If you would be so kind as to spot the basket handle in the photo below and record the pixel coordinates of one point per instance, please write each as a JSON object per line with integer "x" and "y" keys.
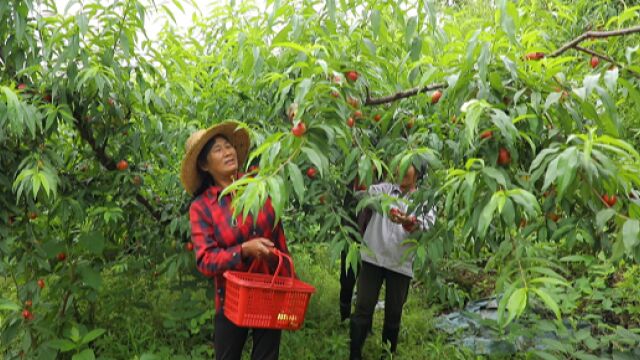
{"x": 280, "y": 255}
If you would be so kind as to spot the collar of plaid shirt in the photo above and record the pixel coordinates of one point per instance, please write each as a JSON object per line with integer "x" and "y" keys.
{"x": 217, "y": 237}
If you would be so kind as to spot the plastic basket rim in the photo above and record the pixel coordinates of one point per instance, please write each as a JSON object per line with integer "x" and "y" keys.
{"x": 297, "y": 285}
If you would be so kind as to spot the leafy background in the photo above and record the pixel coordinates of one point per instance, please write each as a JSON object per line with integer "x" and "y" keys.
{"x": 97, "y": 245}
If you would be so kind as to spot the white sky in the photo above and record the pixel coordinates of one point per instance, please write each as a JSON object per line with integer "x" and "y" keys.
{"x": 155, "y": 20}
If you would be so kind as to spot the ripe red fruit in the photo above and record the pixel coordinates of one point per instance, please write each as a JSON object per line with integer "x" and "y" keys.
{"x": 189, "y": 246}
{"x": 335, "y": 94}
{"x": 353, "y": 102}
{"x": 299, "y": 129}
{"x": 534, "y": 56}
{"x": 122, "y": 165}
{"x": 377, "y": 117}
{"x": 41, "y": 283}
{"x": 311, "y": 172}
{"x": 33, "y": 215}
{"x": 137, "y": 180}
{"x": 609, "y": 200}
{"x": 253, "y": 168}
{"x": 486, "y": 134}
{"x": 410, "y": 123}
{"x": 351, "y": 122}
{"x": 395, "y": 212}
{"x": 435, "y": 97}
{"x": 27, "y": 315}
{"x": 28, "y": 303}
{"x": 594, "y": 62}
{"x": 61, "y": 256}
{"x": 504, "y": 157}
{"x": 22, "y": 86}
{"x": 357, "y": 114}
{"x": 553, "y": 217}
{"x": 352, "y": 75}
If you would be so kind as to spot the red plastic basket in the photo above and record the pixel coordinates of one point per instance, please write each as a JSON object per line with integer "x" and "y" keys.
{"x": 266, "y": 301}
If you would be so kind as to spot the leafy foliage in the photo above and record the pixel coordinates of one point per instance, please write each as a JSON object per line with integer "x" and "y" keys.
{"x": 532, "y": 159}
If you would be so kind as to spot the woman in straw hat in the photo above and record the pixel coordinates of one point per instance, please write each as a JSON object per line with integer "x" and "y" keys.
{"x": 223, "y": 242}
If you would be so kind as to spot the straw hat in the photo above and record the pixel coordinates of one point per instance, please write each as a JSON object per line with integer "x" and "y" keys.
{"x": 233, "y": 130}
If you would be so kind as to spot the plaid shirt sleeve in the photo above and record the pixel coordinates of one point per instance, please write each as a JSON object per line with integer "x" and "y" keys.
{"x": 212, "y": 257}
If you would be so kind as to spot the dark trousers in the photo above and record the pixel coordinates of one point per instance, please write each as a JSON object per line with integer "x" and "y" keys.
{"x": 370, "y": 281}
{"x": 347, "y": 283}
{"x": 229, "y": 341}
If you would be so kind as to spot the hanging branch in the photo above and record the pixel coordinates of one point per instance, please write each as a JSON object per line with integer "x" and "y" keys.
{"x": 104, "y": 159}
{"x": 606, "y": 58}
{"x": 591, "y": 35}
{"x": 573, "y": 44}
{"x": 401, "y": 95}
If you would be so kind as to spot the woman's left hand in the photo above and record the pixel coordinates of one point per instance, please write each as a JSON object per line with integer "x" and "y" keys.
{"x": 258, "y": 247}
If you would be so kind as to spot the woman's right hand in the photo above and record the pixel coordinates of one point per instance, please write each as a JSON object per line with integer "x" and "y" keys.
{"x": 257, "y": 248}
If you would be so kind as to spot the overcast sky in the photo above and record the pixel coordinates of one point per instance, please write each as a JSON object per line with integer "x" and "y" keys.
{"x": 155, "y": 20}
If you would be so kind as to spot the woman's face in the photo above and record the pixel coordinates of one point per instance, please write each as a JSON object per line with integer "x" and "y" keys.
{"x": 222, "y": 159}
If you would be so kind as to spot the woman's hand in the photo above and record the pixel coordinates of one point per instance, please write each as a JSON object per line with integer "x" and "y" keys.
{"x": 258, "y": 247}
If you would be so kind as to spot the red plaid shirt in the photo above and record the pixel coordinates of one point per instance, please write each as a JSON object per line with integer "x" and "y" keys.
{"x": 217, "y": 237}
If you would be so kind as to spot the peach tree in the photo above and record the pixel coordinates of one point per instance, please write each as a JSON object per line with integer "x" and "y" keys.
{"x": 525, "y": 115}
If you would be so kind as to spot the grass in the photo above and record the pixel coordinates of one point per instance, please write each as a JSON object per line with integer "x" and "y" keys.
{"x": 160, "y": 317}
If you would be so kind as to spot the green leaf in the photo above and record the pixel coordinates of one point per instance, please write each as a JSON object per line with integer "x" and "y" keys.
{"x": 278, "y": 196}
{"x": 92, "y": 242}
{"x": 375, "y": 22}
{"x": 63, "y": 345}
{"x": 548, "y": 300}
{"x": 314, "y": 157}
{"x": 517, "y": 303}
{"x": 86, "y": 354}
{"x": 603, "y": 216}
{"x": 526, "y": 200}
{"x": 412, "y": 24}
{"x": 295, "y": 175}
{"x": 496, "y": 175}
{"x": 549, "y": 280}
{"x": 630, "y": 231}
{"x": 90, "y": 276}
{"x": 8, "y": 305}
{"x": 92, "y": 335}
{"x": 487, "y": 215}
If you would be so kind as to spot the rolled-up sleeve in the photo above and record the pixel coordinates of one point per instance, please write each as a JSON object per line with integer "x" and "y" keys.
{"x": 212, "y": 257}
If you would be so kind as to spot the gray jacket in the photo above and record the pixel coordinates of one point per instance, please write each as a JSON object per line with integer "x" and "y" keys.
{"x": 384, "y": 238}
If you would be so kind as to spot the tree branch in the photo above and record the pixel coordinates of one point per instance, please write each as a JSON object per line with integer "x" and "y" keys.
{"x": 402, "y": 94}
{"x": 591, "y": 35}
{"x": 606, "y": 58}
{"x": 105, "y": 160}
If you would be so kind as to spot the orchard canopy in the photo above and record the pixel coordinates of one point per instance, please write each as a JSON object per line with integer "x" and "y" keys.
{"x": 525, "y": 115}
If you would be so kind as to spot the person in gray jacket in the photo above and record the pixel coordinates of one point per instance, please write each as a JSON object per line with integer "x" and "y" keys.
{"x": 384, "y": 258}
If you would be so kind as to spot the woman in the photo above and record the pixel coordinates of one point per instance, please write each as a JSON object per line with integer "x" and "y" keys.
{"x": 222, "y": 242}
{"x": 384, "y": 260}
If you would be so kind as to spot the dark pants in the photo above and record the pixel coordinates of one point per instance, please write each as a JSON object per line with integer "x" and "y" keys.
{"x": 229, "y": 341}
{"x": 369, "y": 283}
{"x": 347, "y": 283}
